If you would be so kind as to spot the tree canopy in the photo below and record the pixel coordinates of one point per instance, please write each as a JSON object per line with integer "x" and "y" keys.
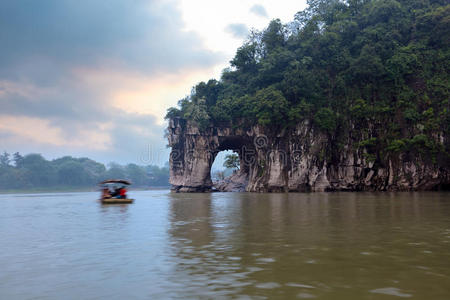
{"x": 231, "y": 161}
{"x": 341, "y": 64}
{"x": 33, "y": 171}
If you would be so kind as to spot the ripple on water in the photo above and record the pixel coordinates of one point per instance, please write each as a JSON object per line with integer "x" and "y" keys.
{"x": 240, "y": 275}
{"x": 416, "y": 244}
{"x": 391, "y": 291}
{"x": 235, "y": 258}
{"x": 305, "y": 296}
{"x": 299, "y": 285}
{"x": 268, "y": 285}
{"x": 254, "y": 269}
{"x": 265, "y": 260}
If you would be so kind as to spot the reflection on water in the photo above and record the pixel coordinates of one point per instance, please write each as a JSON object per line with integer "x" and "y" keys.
{"x": 114, "y": 216}
{"x": 339, "y": 246}
{"x": 230, "y": 245}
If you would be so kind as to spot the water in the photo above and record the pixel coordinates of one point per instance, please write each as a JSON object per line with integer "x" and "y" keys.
{"x": 221, "y": 246}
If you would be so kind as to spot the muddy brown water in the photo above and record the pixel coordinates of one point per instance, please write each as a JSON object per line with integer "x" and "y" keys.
{"x": 226, "y": 246}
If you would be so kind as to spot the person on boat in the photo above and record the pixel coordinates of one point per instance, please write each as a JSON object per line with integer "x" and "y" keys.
{"x": 123, "y": 193}
{"x": 105, "y": 193}
{"x": 116, "y": 193}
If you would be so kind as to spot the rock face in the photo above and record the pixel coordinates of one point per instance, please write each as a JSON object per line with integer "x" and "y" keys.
{"x": 237, "y": 182}
{"x": 300, "y": 159}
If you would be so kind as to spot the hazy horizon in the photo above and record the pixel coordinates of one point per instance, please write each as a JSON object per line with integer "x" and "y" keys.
{"x": 96, "y": 80}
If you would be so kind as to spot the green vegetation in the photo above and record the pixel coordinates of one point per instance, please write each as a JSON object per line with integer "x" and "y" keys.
{"x": 231, "y": 161}
{"x": 375, "y": 70}
{"x": 34, "y": 172}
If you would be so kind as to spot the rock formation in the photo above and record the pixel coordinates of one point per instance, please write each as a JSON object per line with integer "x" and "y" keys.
{"x": 300, "y": 159}
{"x": 237, "y": 182}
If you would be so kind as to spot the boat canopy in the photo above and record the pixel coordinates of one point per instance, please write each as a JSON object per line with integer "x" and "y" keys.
{"x": 121, "y": 181}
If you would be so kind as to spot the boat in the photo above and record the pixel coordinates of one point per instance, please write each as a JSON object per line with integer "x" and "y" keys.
{"x": 116, "y": 201}
{"x": 114, "y": 192}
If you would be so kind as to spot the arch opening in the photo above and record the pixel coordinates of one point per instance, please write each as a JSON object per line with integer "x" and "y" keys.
{"x": 227, "y": 172}
{"x": 218, "y": 170}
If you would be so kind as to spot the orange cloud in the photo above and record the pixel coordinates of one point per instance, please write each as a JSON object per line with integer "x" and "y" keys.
{"x": 136, "y": 93}
{"x": 36, "y": 130}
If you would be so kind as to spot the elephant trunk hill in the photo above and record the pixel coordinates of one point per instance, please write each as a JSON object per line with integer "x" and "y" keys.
{"x": 299, "y": 159}
{"x": 350, "y": 95}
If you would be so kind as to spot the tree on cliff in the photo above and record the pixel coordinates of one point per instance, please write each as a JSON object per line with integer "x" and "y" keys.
{"x": 345, "y": 66}
{"x": 231, "y": 161}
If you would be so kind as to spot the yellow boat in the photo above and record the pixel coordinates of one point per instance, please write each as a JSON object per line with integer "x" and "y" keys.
{"x": 116, "y": 201}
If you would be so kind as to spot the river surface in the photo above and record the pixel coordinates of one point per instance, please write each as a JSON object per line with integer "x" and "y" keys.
{"x": 226, "y": 245}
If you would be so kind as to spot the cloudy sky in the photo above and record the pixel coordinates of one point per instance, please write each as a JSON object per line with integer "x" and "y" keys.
{"x": 94, "y": 78}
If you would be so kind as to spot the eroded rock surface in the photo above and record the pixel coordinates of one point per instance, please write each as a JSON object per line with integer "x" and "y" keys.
{"x": 296, "y": 160}
{"x": 237, "y": 182}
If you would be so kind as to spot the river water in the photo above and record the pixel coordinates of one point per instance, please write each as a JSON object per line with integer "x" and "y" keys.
{"x": 226, "y": 245}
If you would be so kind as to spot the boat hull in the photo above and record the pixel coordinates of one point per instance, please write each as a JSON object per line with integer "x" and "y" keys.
{"x": 116, "y": 201}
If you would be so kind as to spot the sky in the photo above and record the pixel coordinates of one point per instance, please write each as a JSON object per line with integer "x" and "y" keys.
{"x": 95, "y": 78}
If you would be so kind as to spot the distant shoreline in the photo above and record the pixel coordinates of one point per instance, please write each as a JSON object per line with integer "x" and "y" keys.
{"x": 73, "y": 190}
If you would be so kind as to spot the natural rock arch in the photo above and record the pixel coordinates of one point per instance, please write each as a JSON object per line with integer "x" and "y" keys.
{"x": 296, "y": 159}
{"x": 193, "y": 154}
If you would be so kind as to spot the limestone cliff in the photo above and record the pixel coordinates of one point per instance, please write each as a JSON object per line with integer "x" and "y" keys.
{"x": 295, "y": 160}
